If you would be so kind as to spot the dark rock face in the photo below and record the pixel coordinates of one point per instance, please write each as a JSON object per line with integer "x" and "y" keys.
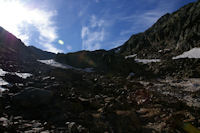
{"x": 177, "y": 32}
{"x": 102, "y": 61}
{"x": 14, "y": 53}
{"x": 11, "y": 78}
{"x": 83, "y": 59}
{"x": 40, "y": 54}
{"x": 180, "y": 68}
{"x": 32, "y": 97}
{"x": 12, "y": 48}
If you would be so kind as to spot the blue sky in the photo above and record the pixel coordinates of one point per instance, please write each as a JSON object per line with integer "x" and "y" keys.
{"x": 73, "y": 25}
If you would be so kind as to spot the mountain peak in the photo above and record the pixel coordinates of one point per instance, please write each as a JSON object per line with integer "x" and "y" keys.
{"x": 178, "y": 32}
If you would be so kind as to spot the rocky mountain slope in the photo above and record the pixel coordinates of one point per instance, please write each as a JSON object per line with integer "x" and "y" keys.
{"x": 15, "y": 55}
{"x": 170, "y": 36}
{"x": 102, "y": 61}
{"x": 15, "y": 49}
{"x": 40, "y": 54}
{"x": 120, "y": 95}
{"x": 12, "y": 48}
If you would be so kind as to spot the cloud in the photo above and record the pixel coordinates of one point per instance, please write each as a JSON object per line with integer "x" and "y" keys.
{"x": 93, "y": 34}
{"x": 18, "y": 19}
{"x": 96, "y": 23}
{"x": 140, "y": 22}
{"x": 51, "y": 48}
{"x": 143, "y": 19}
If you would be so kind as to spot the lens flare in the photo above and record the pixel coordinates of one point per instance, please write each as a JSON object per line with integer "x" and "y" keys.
{"x": 61, "y": 42}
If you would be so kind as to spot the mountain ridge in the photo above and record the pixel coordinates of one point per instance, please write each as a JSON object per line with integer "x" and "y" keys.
{"x": 178, "y": 32}
{"x": 10, "y": 44}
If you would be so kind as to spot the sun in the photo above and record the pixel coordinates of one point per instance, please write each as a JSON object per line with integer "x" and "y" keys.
{"x": 25, "y": 21}
{"x": 12, "y": 14}
{"x": 16, "y": 18}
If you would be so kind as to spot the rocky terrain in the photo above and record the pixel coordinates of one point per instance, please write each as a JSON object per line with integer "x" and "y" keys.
{"x": 123, "y": 90}
{"x": 170, "y": 36}
{"x": 88, "y": 102}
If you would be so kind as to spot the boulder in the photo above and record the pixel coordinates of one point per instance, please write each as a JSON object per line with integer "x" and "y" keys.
{"x": 32, "y": 97}
{"x": 12, "y": 78}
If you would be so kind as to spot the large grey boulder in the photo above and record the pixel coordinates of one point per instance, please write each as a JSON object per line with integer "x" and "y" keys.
{"x": 32, "y": 97}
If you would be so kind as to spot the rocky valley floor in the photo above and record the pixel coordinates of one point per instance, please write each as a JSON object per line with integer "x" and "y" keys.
{"x": 72, "y": 101}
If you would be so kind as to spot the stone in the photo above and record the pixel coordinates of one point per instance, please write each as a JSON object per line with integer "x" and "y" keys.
{"x": 32, "y": 97}
{"x": 130, "y": 76}
{"x": 12, "y": 78}
{"x": 72, "y": 127}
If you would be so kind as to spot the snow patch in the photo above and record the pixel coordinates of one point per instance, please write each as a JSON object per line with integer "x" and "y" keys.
{"x": 54, "y": 63}
{"x": 3, "y": 82}
{"x": 2, "y": 72}
{"x": 130, "y": 56}
{"x": 193, "y": 53}
{"x": 23, "y": 75}
{"x": 146, "y": 61}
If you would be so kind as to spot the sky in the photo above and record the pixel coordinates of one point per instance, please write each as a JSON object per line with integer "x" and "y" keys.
{"x": 72, "y": 25}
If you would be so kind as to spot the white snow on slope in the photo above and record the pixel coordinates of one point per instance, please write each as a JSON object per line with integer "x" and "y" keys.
{"x": 2, "y": 82}
{"x": 193, "y": 53}
{"x": 130, "y": 56}
{"x": 53, "y": 63}
{"x": 2, "y": 72}
{"x": 146, "y": 61}
{"x": 23, "y": 75}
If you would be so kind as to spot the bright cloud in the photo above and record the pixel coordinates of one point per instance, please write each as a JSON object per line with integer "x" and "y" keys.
{"x": 16, "y": 18}
{"x": 93, "y": 34}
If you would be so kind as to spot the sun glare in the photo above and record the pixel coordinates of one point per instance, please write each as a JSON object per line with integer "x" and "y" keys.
{"x": 12, "y": 14}
{"x": 17, "y": 18}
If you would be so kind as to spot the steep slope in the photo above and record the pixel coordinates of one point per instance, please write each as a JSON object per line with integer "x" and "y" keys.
{"x": 40, "y": 54}
{"x": 15, "y": 55}
{"x": 12, "y": 48}
{"x": 171, "y": 35}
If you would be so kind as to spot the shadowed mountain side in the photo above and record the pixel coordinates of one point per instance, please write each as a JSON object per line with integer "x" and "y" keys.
{"x": 101, "y": 61}
{"x": 40, "y": 54}
{"x": 14, "y": 49}
{"x": 16, "y": 56}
